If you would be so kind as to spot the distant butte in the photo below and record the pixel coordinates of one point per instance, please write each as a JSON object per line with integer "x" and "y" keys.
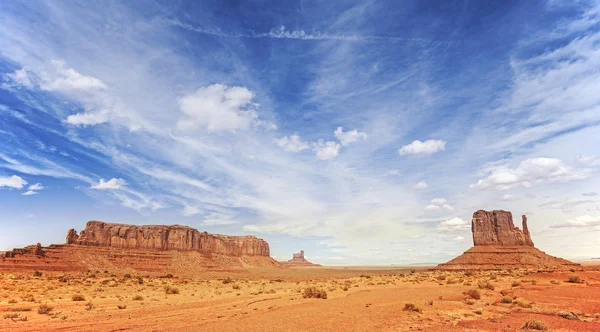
{"x": 299, "y": 260}
{"x": 150, "y": 248}
{"x": 498, "y": 244}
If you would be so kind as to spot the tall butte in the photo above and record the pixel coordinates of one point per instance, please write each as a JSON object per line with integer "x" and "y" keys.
{"x": 498, "y": 244}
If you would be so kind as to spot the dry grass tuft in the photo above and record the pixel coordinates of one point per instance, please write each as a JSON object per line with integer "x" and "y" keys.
{"x": 314, "y": 292}
{"x": 411, "y": 307}
{"x": 78, "y": 297}
{"x": 138, "y": 298}
{"x": 171, "y": 290}
{"x": 473, "y": 293}
{"x": 575, "y": 279}
{"x": 44, "y": 309}
{"x": 506, "y": 299}
{"x": 485, "y": 284}
{"x": 535, "y": 325}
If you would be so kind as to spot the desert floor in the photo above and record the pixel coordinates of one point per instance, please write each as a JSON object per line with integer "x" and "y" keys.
{"x": 357, "y": 299}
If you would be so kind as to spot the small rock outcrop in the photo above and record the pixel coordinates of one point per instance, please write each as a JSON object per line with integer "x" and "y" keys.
{"x": 498, "y": 244}
{"x": 160, "y": 237}
{"x": 491, "y": 228}
{"x": 299, "y": 260}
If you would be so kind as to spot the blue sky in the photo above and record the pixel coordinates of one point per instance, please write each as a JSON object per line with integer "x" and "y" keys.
{"x": 361, "y": 132}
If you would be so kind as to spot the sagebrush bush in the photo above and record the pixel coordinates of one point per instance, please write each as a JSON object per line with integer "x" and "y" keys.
{"x": 171, "y": 290}
{"x": 473, "y": 293}
{"x": 411, "y": 307}
{"x": 506, "y": 299}
{"x": 535, "y": 325}
{"x": 575, "y": 279}
{"x": 44, "y": 309}
{"x": 314, "y": 292}
{"x": 485, "y": 284}
{"x": 138, "y": 298}
{"x": 227, "y": 280}
{"x": 78, "y": 297}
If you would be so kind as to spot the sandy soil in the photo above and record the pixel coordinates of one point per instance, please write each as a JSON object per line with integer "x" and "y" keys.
{"x": 358, "y": 299}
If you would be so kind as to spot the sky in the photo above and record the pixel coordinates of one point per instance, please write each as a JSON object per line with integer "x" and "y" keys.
{"x": 362, "y": 132}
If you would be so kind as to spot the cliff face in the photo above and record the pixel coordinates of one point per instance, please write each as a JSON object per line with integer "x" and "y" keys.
{"x": 493, "y": 228}
{"x": 159, "y": 237}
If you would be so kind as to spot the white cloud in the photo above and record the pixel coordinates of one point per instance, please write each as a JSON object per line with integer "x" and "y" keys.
{"x": 421, "y": 185}
{"x": 33, "y": 189}
{"x": 578, "y": 222}
{"x": 20, "y": 77}
{"x": 346, "y": 138}
{"x": 432, "y": 208}
{"x": 189, "y": 211}
{"x": 218, "y": 108}
{"x": 438, "y": 201}
{"x": 291, "y": 144}
{"x": 427, "y": 147}
{"x": 529, "y": 173}
{"x": 217, "y": 219}
{"x": 111, "y": 184}
{"x": 448, "y": 207}
{"x": 507, "y": 198}
{"x": 89, "y": 118}
{"x": 588, "y": 160}
{"x": 14, "y": 181}
{"x": 458, "y": 238}
{"x": 454, "y": 225}
{"x": 326, "y": 150}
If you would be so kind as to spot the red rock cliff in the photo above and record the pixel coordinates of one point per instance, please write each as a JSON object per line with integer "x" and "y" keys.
{"x": 159, "y": 237}
{"x": 492, "y": 228}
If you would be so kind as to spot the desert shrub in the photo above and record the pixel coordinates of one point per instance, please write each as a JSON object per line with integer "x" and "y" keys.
{"x": 493, "y": 276}
{"x": 535, "y": 325}
{"x": 485, "y": 284}
{"x": 78, "y": 297}
{"x": 37, "y": 274}
{"x": 555, "y": 282}
{"x": 138, "y": 298}
{"x": 89, "y": 306}
{"x": 11, "y": 316}
{"x": 469, "y": 301}
{"x": 314, "y": 292}
{"x": 169, "y": 275}
{"x": 11, "y": 301}
{"x": 523, "y": 304}
{"x": 140, "y": 280}
{"x": 516, "y": 283}
{"x": 430, "y": 302}
{"x": 127, "y": 276}
{"x": 411, "y": 307}
{"x": 171, "y": 290}
{"x": 478, "y": 311}
{"x": 92, "y": 276}
{"x": 44, "y": 309}
{"x": 473, "y": 293}
{"x": 572, "y": 270}
{"x": 575, "y": 279}
{"x": 412, "y": 271}
{"x": 469, "y": 273}
{"x": 568, "y": 315}
{"x": 122, "y": 307}
{"x": 365, "y": 276}
{"x": 227, "y": 280}
{"x": 19, "y": 309}
{"x": 506, "y": 299}
{"x": 236, "y": 286}
{"x": 441, "y": 277}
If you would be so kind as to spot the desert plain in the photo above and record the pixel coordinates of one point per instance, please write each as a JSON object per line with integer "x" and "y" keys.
{"x": 279, "y": 299}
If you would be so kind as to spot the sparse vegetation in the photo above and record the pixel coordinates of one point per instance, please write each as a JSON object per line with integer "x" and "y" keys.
{"x": 89, "y": 306}
{"x": 473, "y": 293}
{"x": 78, "y": 297}
{"x": 411, "y": 307}
{"x": 516, "y": 283}
{"x": 485, "y": 284}
{"x": 227, "y": 280}
{"x": 478, "y": 311}
{"x": 44, "y": 309}
{"x": 138, "y": 298}
{"x": 575, "y": 279}
{"x": 314, "y": 292}
{"x": 121, "y": 307}
{"x": 37, "y": 274}
{"x": 506, "y": 299}
{"x": 535, "y": 325}
{"x": 171, "y": 290}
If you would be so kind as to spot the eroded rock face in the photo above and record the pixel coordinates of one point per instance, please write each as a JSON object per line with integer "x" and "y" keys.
{"x": 299, "y": 260}
{"x": 493, "y": 228}
{"x": 159, "y": 237}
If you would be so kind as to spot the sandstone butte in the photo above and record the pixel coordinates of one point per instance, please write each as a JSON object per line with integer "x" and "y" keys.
{"x": 157, "y": 248}
{"x": 298, "y": 260}
{"x": 498, "y": 244}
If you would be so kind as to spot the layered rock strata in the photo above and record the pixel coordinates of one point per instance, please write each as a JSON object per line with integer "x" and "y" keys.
{"x": 299, "y": 260}
{"x": 498, "y": 244}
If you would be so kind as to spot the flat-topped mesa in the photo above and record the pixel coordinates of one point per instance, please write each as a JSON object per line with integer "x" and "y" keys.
{"x": 161, "y": 237}
{"x": 496, "y": 228}
{"x": 299, "y": 260}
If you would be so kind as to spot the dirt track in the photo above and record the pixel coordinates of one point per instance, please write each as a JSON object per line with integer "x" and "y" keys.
{"x": 272, "y": 300}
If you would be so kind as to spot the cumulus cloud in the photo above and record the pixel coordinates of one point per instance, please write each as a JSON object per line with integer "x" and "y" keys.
{"x": 454, "y": 225}
{"x": 578, "y": 222}
{"x": 432, "y": 208}
{"x": 33, "y": 189}
{"x": 89, "y": 118}
{"x": 438, "y": 201}
{"x": 529, "y": 173}
{"x": 427, "y": 147}
{"x": 421, "y": 185}
{"x": 588, "y": 160}
{"x": 111, "y": 184}
{"x": 448, "y": 207}
{"x": 507, "y": 198}
{"x": 14, "y": 181}
{"x": 326, "y": 150}
{"x": 349, "y": 137}
{"x": 218, "y": 108}
{"x": 20, "y": 78}
{"x": 291, "y": 144}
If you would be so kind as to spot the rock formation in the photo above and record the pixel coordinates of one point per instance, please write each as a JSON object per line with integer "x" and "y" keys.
{"x": 157, "y": 248}
{"x": 299, "y": 260}
{"x": 497, "y": 228}
{"x": 159, "y": 237}
{"x": 498, "y": 244}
